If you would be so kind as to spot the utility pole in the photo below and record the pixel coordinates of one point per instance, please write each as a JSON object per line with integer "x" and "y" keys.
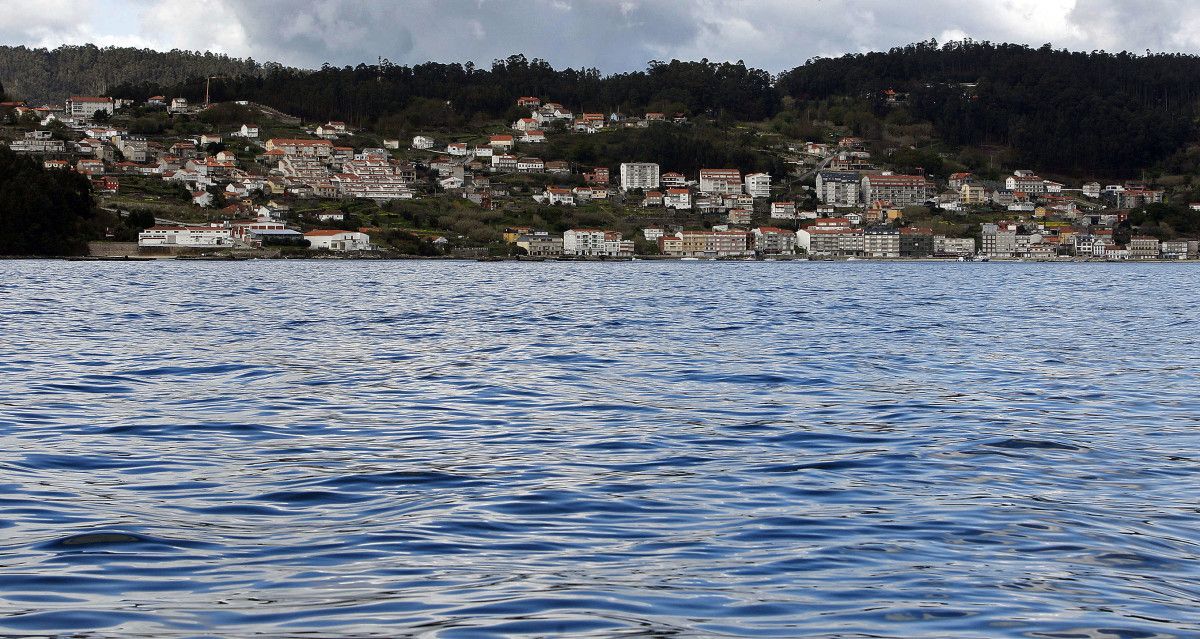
{"x": 207, "y": 84}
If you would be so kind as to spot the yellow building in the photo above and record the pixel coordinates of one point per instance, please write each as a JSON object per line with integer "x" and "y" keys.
{"x": 970, "y": 194}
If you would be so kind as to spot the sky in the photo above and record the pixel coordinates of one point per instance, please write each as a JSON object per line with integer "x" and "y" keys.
{"x": 611, "y": 35}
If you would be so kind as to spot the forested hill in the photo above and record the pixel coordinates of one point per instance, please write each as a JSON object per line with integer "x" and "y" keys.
{"x": 54, "y": 74}
{"x": 447, "y": 94}
{"x": 1059, "y": 110}
{"x": 1084, "y": 113}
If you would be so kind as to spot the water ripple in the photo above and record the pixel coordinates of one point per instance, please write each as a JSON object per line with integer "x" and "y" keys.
{"x": 612, "y": 450}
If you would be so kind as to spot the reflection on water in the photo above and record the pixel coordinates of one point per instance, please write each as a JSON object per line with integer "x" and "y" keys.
{"x": 645, "y": 449}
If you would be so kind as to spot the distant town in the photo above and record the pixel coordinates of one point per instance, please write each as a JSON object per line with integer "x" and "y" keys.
{"x": 283, "y": 188}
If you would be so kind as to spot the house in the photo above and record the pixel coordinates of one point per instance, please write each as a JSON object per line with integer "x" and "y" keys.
{"x": 501, "y": 142}
{"x": 652, "y": 199}
{"x": 771, "y": 240}
{"x": 672, "y": 180}
{"x": 655, "y": 116}
{"x": 1092, "y": 190}
{"x": 720, "y": 181}
{"x": 512, "y": 233}
{"x": 529, "y": 102}
{"x": 596, "y": 177}
{"x": 338, "y": 240}
{"x": 106, "y": 184}
{"x": 530, "y": 165}
{"x": 558, "y": 167}
{"x": 248, "y": 131}
{"x": 678, "y": 199}
{"x": 740, "y": 217}
{"x": 970, "y": 194}
{"x": 86, "y": 107}
{"x": 329, "y": 132}
{"x": 652, "y": 234}
{"x": 593, "y": 121}
{"x": 422, "y": 142}
{"x": 901, "y": 190}
{"x": 186, "y": 236}
{"x": 330, "y": 216}
{"x": 90, "y": 167}
{"x": 555, "y": 196}
{"x": 639, "y": 175}
{"x": 541, "y": 244}
{"x": 209, "y": 138}
{"x": 957, "y": 180}
{"x": 758, "y": 185}
{"x": 458, "y": 148}
{"x": 525, "y": 124}
{"x": 534, "y": 137}
{"x": 178, "y": 105}
{"x": 552, "y": 111}
{"x": 504, "y": 162}
{"x": 202, "y": 198}
{"x": 783, "y": 210}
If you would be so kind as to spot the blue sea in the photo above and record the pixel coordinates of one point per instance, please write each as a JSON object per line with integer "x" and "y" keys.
{"x": 646, "y": 449}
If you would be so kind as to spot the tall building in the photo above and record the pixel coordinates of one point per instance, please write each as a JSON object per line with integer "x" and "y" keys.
{"x": 758, "y": 185}
{"x": 639, "y": 175}
{"x": 839, "y": 188}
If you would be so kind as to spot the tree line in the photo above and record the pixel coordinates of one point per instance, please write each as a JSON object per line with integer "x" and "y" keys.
{"x": 1107, "y": 114}
{"x": 438, "y": 94}
{"x": 1092, "y": 112}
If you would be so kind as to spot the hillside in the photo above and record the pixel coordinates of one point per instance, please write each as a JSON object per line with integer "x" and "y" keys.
{"x": 1082, "y": 113}
{"x": 54, "y": 74}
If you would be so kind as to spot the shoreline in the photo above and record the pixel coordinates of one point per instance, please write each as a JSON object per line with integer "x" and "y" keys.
{"x": 569, "y": 260}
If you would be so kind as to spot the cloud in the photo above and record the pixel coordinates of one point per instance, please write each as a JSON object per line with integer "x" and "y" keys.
{"x": 612, "y": 35}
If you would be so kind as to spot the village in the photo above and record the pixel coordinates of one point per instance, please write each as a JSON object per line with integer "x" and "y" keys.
{"x": 285, "y": 187}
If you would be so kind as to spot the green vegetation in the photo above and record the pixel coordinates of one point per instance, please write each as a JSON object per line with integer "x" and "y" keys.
{"x": 1058, "y": 110}
{"x": 42, "y": 212}
{"x": 42, "y": 74}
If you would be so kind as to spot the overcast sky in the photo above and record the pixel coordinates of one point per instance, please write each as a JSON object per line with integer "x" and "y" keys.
{"x": 612, "y": 35}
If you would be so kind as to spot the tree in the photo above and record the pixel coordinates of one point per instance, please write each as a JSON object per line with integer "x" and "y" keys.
{"x": 42, "y": 212}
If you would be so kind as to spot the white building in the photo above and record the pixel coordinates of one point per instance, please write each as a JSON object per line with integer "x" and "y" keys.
{"x": 720, "y": 181}
{"x": 422, "y": 142}
{"x": 758, "y": 185}
{"x": 248, "y": 131}
{"x": 587, "y": 242}
{"x": 639, "y": 175}
{"x": 86, "y": 107}
{"x": 185, "y": 236}
{"x": 337, "y": 240}
{"x": 678, "y": 199}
